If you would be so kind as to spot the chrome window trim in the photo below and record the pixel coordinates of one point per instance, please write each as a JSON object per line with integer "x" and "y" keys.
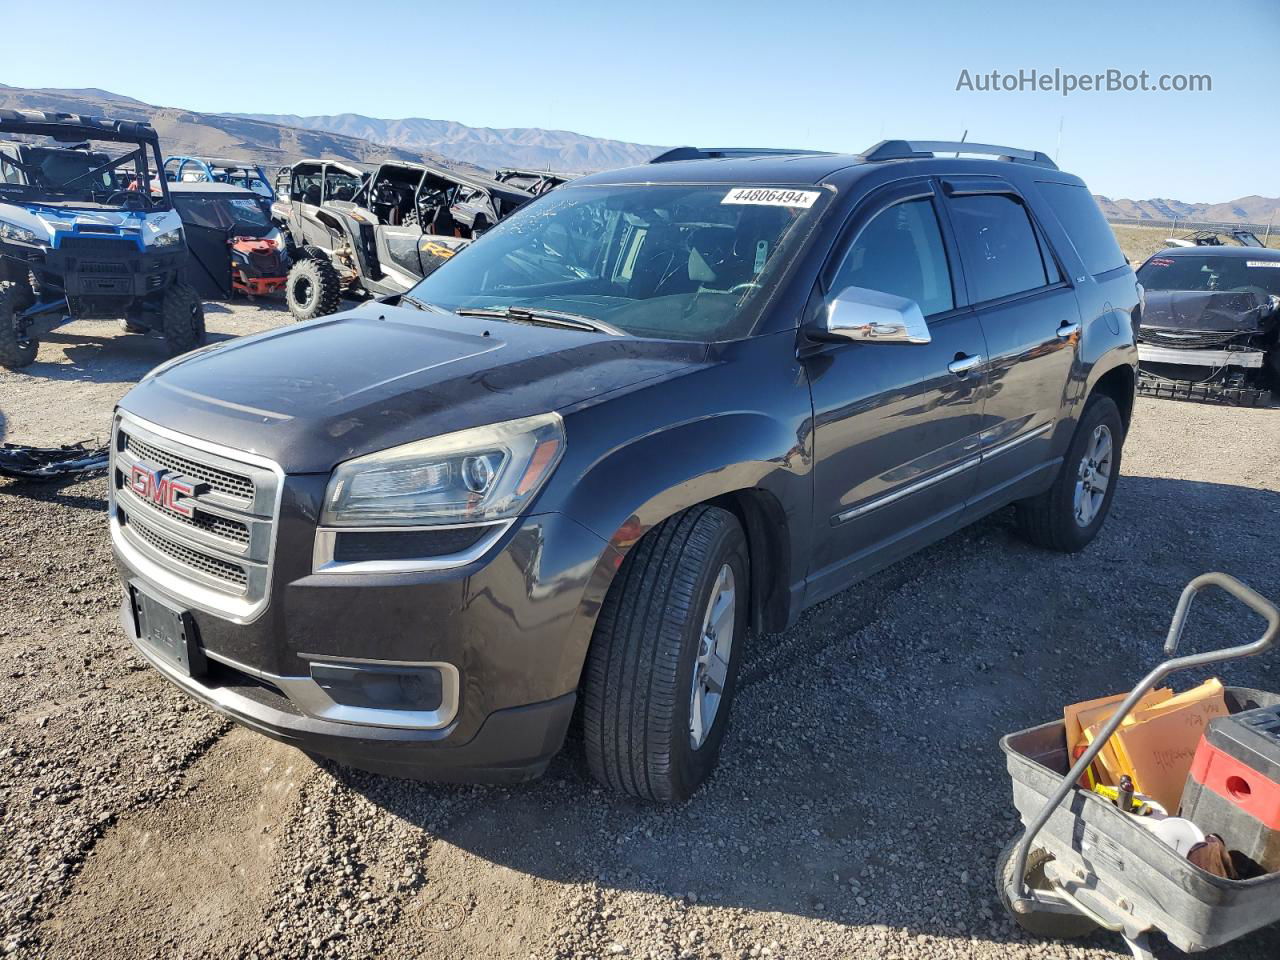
{"x": 185, "y": 587}
{"x": 309, "y": 697}
{"x": 322, "y": 561}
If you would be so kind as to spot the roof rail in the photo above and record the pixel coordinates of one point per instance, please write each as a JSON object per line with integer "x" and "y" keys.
{"x": 913, "y": 149}
{"x": 716, "y": 153}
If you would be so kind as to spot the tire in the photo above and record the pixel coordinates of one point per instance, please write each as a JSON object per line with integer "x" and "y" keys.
{"x": 1055, "y": 519}
{"x": 638, "y": 687}
{"x": 1057, "y": 926}
{"x": 17, "y": 348}
{"x": 312, "y": 288}
{"x": 182, "y": 318}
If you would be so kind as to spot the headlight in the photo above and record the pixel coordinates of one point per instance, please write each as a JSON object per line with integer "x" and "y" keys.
{"x": 170, "y": 238}
{"x": 11, "y": 231}
{"x": 485, "y": 473}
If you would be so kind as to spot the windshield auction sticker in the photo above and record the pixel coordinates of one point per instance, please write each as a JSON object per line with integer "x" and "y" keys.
{"x": 771, "y": 197}
{"x": 1253, "y": 263}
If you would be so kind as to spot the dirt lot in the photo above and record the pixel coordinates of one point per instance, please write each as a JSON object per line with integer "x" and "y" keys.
{"x": 859, "y": 811}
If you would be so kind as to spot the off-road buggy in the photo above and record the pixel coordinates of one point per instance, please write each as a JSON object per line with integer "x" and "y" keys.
{"x": 536, "y": 182}
{"x": 1211, "y": 324}
{"x": 88, "y": 231}
{"x": 218, "y": 170}
{"x": 376, "y": 231}
{"x": 234, "y": 245}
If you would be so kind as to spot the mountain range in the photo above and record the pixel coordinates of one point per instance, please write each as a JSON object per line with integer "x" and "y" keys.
{"x": 277, "y": 139}
{"x": 528, "y": 147}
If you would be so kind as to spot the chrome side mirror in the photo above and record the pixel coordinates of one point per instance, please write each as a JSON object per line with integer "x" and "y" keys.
{"x": 856, "y": 313}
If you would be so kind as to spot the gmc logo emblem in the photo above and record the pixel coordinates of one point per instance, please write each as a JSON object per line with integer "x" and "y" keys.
{"x": 163, "y": 489}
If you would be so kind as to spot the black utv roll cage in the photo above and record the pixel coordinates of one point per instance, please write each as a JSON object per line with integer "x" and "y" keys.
{"x": 72, "y": 130}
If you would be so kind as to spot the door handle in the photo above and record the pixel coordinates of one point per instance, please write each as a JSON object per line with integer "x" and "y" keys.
{"x": 961, "y": 366}
{"x": 1068, "y": 330}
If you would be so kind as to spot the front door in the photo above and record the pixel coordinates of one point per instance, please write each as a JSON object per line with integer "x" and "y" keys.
{"x": 896, "y": 425}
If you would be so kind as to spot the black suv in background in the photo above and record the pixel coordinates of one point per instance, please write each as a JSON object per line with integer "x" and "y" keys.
{"x": 652, "y": 410}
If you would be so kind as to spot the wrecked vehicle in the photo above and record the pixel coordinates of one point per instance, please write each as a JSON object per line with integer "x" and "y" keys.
{"x": 88, "y": 231}
{"x": 234, "y": 246}
{"x": 536, "y": 182}
{"x": 379, "y": 231}
{"x": 1211, "y": 324}
{"x": 250, "y": 176}
{"x": 1216, "y": 238}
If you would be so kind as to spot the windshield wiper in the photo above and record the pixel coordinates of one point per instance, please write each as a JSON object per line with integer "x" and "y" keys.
{"x": 420, "y": 304}
{"x": 543, "y": 318}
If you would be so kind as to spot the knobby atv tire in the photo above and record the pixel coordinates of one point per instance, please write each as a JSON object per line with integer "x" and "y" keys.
{"x": 15, "y": 350}
{"x": 182, "y": 318}
{"x": 1048, "y": 519}
{"x": 639, "y": 671}
{"x": 312, "y": 288}
{"x": 1058, "y": 926}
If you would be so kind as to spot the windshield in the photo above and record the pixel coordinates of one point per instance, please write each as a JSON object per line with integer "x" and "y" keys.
{"x": 240, "y": 215}
{"x": 1212, "y": 274}
{"x": 686, "y": 262}
{"x": 113, "y": 176}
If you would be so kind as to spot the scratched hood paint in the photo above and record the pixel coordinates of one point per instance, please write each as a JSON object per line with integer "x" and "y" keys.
{"x": 314, "y": 394}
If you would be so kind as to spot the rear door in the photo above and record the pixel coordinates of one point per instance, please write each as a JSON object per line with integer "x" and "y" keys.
{"x": 896, "y": 425}
{"x": 1031, "y": 323}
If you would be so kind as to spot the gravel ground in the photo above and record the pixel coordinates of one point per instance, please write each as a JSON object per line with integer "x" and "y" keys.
{"x": 858, "y": 812}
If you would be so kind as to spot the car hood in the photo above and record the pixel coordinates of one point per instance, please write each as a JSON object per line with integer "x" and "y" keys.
{"x": 311, "y": 395}
{"x": 1207, "y": 311}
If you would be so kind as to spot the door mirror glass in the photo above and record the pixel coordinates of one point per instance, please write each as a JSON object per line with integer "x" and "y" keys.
{"x": 856, "y": 313}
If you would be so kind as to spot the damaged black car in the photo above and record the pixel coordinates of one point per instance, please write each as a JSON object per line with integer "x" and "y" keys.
{"x": 1211, "y": 325}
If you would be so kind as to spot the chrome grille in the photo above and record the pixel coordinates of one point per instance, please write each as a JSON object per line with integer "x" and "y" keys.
{"x": 224, "y": 482}
{"x": 219, "y": 558}
{"x": 213, "y": 566}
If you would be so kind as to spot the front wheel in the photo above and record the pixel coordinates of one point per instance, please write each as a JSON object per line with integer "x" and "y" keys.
{"x": 17, "y": 347}
{"x": 661, "y": 671}
{"x": 312, "y": 288}
{"x": 1058, "y": 926}
{"x": 182, "y": 318}
{"x": 1068, "y": 515}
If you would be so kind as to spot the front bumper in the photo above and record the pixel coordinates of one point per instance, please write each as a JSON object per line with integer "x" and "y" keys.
{"x": 1250, "y": 358}
{"x": 513, "y": 623}
{"x": 511, "y": 745}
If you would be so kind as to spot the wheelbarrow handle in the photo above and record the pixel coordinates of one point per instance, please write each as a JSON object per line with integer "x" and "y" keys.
{"x": 1250, "y": 598}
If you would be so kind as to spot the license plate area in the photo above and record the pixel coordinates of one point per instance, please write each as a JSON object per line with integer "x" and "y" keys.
{"x": 167, "y": 631}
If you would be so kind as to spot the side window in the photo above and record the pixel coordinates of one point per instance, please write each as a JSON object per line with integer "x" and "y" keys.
{"x": 900, "y": 251}
{"x": 1079, "y": 215}
{"x": 1004, "y": 253}
{"x": 8, "y": 171}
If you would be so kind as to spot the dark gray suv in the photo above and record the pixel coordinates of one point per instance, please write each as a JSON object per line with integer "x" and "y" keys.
{"x": 651, "y": 411}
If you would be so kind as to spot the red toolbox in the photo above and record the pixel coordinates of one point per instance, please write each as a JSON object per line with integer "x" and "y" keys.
{"x": 1234, "y": 786}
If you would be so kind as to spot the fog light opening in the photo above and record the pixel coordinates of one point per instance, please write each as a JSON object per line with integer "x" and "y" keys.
{"x": 419, "y": 689}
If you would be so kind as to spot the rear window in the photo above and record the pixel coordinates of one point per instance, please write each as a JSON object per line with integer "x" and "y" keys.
{"x": 1004, "y": 254}
{"x": 1079, "y": 215}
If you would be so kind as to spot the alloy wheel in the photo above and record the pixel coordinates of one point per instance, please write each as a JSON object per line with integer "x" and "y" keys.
{"x": 1093, "y": 476}
{"x": 715, "y": 647}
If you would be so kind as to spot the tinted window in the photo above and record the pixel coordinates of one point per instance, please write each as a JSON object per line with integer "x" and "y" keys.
{"x": 900, "y": 251}
{"x": 1004, "y": 256}
{"x": 1084, "y": 223}
{"x": 682, "y": 261}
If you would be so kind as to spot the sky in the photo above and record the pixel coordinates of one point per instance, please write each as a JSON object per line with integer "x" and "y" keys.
{"x": 824, "y": 75}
